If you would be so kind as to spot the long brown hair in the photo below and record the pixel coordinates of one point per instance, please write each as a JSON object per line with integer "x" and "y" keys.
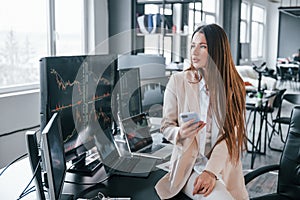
{"x": 227, "y": 97}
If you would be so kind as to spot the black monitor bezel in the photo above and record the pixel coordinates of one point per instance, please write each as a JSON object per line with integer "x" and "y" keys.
{"x": 46, "y": 113}
{"x": 49, "y": 133}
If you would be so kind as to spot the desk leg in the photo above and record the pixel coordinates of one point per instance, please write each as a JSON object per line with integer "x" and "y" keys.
{"x": 256, "y": 145}
{"x": 260, "y": 131}
{"x": 266, "y": 132}
{"x": 253, "y": 140}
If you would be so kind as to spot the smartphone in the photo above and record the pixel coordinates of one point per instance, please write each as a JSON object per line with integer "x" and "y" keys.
{"x": 190, "y": 115}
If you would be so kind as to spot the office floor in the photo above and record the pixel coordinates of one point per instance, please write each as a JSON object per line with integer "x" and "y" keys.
{"x": 267, "y": 183}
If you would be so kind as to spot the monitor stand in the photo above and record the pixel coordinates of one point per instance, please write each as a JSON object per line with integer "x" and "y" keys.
{"x": 85, "y": 165}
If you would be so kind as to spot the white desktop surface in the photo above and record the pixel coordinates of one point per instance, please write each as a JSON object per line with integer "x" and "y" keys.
{"x": 288, "y": 65}
{"x": 14, "y": 180}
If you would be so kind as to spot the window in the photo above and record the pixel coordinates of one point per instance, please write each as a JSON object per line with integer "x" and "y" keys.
{"x": 244, "y": 27}
{"x": 252, "y": 28}
{"x": 24, "y": 39}
{"x": 69, "y": 26}
{"x": 205, "y": 12}
{"x": 257, "y": 31}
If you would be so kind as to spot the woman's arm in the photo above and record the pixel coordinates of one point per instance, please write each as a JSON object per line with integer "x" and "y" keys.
{"x": 206, "y": 181}
{"x": 218, "y": 158}
{"x": 170, "y": 125}
{"x": 174, "y": 130}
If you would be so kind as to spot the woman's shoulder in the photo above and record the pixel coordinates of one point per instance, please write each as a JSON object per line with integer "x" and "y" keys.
{"x": 176, "y": 77}
{"x": 181, "y": 75}
{"x": 185, "y": 76}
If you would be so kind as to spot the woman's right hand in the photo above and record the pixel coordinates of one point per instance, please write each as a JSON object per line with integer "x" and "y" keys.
{"x": 190, "y": 129}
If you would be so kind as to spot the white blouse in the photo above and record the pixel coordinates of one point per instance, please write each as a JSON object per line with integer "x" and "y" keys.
{"x": 204, "y": 137}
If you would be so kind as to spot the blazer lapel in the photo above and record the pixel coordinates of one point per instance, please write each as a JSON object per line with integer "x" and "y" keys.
{"x": 192, "y": 94}
{"x": 192, "y": 91}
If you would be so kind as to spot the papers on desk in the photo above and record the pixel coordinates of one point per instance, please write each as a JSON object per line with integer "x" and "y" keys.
{"x": 269, "y": 96}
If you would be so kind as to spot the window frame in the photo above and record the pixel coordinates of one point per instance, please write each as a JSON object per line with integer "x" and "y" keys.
{"x": 203, "y": 13}
{"x": 51, "y": 45}
{"x": 249, "y": 30}
{"x": 261, "y": 27}
{"x": 246, "y": 21}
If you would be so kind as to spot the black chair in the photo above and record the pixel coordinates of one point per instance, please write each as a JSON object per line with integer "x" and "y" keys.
{"x": 282, "y": 120}
{"x": 272, "y": 104}
{"x": 288, "y": 183}
{"x": 275, "y": 103}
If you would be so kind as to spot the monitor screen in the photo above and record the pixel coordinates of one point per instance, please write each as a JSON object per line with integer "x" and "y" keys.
{"x": 151, "y": 66}
{"x": 79, "y": 88}
{"x": 53, "y": 156}
{"x": 137, "y": 131}
{"x": 130, "y": 92}
{"x": 152, "y": 92}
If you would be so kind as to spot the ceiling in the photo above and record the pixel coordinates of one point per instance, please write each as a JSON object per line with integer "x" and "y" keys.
{"x": 293, "y": 11}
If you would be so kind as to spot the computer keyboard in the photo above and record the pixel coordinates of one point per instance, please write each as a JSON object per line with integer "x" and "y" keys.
{"x": 128, "y": 163}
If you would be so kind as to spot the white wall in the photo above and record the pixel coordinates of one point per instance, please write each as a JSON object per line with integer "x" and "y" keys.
{"x": 272, "y": 34}
{"x": 18, "y": 111}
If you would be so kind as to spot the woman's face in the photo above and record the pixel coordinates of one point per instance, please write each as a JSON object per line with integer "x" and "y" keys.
{"x": 199, "y": 51}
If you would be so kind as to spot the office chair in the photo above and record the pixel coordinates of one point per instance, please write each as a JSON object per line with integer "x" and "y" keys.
{"x": 274, "y": 103}
{"x": 288, "y": 183}
{"x": 279, "y": 120}
{"x": 268, "y": 110}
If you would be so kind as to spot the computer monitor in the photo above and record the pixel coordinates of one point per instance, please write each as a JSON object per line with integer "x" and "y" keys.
{"x": 79, "y": 88}
{"x": 53, "y": 156}
{"x": 130, "y": 102}
{"x": 151, "y": 66}
{"x": 32, "y": 145}
{"x": 152, "y": 91}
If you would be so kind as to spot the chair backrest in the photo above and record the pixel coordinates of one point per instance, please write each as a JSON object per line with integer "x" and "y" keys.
{"x": 278, "y": 98}
{"x": 291, "y": 98}
{"x": 289, "y": 170}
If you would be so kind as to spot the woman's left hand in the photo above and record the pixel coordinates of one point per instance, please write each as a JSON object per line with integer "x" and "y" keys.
{"x": 204, "y": 184}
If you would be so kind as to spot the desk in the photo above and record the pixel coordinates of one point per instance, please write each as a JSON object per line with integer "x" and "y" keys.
{"x": 15, "y": 179}
{"x": 288, "y": 72}
{"x": 288, "y": 65}
{"x": 257, "y": 105}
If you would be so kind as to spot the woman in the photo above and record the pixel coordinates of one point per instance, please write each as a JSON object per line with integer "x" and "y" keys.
{"x": 205, "y": 162}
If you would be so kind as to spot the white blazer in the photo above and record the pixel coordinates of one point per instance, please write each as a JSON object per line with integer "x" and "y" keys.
{"x": 183, "y": 96}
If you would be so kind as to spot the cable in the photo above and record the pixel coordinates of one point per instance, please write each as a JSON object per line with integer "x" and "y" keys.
{"x": 24, "y": 129}
{"x": 18, "y": 157}
{"x": 22, "y": 156}
{"x": 32, "y": 189}
{"x": 34, "y": 174}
